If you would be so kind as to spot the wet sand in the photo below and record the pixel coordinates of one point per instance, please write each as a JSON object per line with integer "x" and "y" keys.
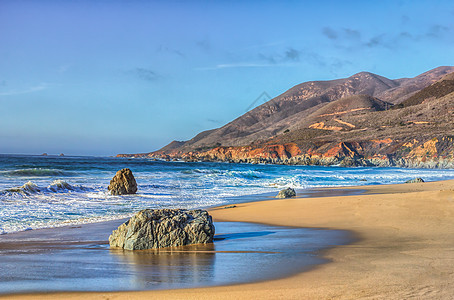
{"x": 78, "y": 258}
{"x": 405, "y": 247}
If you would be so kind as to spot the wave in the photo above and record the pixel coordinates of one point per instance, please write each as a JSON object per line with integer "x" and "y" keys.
{"x": 248, "y": 174}
{"x": 201, "y": 171}
{"x": 37, "y": 172}
{"x": 27, "y": 189}
{"x": 57, "y": 186}
{"x": 62, "y": 186}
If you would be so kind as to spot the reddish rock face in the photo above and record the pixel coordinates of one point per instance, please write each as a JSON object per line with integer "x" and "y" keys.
{"x": 386, "y": 152}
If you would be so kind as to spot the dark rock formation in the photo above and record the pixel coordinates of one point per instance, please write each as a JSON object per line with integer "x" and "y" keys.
{"x": 416, "y": 180}
{"x": 123, "y": 183}
{"x": 159, "y": 228}
{"x": 286, "y": 193}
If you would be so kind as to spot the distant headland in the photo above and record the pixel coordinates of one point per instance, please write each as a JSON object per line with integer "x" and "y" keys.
{"x": 362, "y": 120}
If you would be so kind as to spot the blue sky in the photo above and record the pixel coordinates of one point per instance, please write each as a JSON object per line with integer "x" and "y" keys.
{"x": 108, "y": 77}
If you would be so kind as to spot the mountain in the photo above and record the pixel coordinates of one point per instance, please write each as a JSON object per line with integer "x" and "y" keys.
{"x": 281, "y": 112}
{"x": 365, "y": 119}
{"x": 409, "y": 86}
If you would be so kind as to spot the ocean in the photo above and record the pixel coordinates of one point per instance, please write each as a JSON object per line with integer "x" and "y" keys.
{"x": 53, "y": 191}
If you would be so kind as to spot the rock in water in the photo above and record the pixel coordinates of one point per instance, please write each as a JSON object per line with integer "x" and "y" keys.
{"x": 123, "y": 183}
{"x": 159, "y": 228}
{"x": 416, "y": 180}
{"x": 286, "y": 193}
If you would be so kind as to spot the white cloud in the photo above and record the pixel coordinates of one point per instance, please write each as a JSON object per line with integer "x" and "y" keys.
{"x": 33, "y": 89}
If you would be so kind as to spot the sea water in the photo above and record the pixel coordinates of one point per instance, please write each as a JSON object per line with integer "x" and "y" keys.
{"x": 51, "y": 191}
{"x": 78, "y": 258}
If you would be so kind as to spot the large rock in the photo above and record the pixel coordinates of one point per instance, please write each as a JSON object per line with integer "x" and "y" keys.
{"x": 123, "y": 183}
{"x": 286, "y": 193}
{"x": 159, "y": 228}
{"x": 416, "y": 180}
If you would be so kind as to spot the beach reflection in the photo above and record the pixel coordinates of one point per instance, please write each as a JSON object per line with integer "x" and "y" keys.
{"x": 188, "y": 265}
{"x": 79, "y": 258}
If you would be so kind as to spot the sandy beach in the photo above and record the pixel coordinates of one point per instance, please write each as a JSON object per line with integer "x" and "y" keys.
{"x": 404, "y": 247}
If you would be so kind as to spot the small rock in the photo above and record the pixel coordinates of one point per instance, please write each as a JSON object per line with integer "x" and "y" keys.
{"x": 159, "y": 228}
{"x": 230, "y": 206}
{"x": 416, "y": 180}
{"x": 286, "y": 193}
{"x": 123, "y": 183}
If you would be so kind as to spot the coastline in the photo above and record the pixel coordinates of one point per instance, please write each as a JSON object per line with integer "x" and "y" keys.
{"x": 404, "y": 248}
{"x": 298, "y": 160}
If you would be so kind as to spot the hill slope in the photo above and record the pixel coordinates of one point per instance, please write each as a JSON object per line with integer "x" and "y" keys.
{"x": 341, "y": 121}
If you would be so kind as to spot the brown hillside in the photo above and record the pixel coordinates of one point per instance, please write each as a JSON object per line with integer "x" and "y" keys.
{"x": 279, "y": 113}
{"x": 339, "y": 122}
{"x": 292, "y": 109}
{"x": 408, "y": 86}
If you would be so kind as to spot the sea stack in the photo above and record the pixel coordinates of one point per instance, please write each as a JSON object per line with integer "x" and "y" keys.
{"x": 123, "y": 183}
{"x": 160, "y": 228}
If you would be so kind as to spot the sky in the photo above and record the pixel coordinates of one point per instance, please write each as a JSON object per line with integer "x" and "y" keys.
{"x": 106, "y": 77}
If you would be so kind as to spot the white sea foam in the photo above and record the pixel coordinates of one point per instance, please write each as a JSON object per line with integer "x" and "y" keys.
{"x": 49, "y": 201}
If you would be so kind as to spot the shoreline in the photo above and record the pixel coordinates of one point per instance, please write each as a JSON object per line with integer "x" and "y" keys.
{"x": 267, "y": 196}
{"x": 78, "y": 259}
{"x": 236, "y": 154}
{"x": 404, "y": 247}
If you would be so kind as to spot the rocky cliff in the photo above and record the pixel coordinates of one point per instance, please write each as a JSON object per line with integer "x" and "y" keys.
{"x": 363, "y": 120}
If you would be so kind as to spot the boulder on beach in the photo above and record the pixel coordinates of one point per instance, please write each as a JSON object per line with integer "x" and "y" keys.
{"x": 416, "y": 180}
{"x": 123, "y": 183}
{"x": 160, "y": 228}
{"x": 286, "y": 193}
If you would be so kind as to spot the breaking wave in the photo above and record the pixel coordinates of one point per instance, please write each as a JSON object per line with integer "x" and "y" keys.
{"x": 57, "y": 186}
{"x": 27, "y": 189}
{"x": 62, "y": 186}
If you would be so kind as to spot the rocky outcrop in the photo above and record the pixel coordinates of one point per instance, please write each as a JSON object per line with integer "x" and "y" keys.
{"x": 123, "y": 183}
{"x": 286, "y": 193}
{"x": 411, "y": 153}
{"x": 159, "y": 228}
{"x": 416, "y": 180}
